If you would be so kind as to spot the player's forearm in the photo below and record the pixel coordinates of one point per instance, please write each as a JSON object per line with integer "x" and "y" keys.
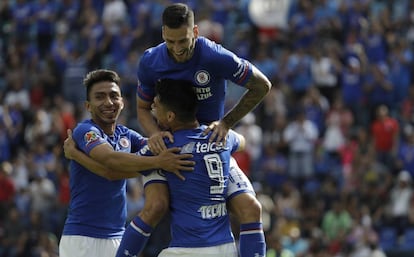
{"x": 247, "y": 103}
{"x": 99, "y": 169}
{"x": 117, "y": 175}
{"x": 91, "y": 164}
{"x": 258, "y": 86}
{"x": 111, "y": 172}
{"x": 147, "y": 121}
{"x": 130, "y": 163}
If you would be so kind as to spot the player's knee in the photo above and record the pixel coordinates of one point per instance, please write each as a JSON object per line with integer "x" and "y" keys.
{"x": 253, "y": 210}
{"x": 156, "y": 206}
{"x": 246, "y": 208}
{"x": 159, "y": 208}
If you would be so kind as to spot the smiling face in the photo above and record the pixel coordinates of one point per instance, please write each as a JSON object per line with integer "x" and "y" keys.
{"x": 180, "y": 41}
{"x": 105, "y": 103}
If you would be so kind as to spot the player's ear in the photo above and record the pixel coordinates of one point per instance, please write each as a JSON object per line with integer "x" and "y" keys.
{"x": 162, "y": 32}
{"x": 195, "y": 31}
{"x": 122, "y": 103}
{"x": 87, "y": 105}
{"x": 170, "y": 116}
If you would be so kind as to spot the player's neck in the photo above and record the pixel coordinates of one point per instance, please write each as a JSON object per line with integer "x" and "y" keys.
{"x": 185, "y": 125}
{"x": 108, "y": 129}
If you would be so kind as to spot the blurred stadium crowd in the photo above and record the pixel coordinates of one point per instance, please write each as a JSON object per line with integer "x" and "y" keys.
{"x": 330, "y": 149}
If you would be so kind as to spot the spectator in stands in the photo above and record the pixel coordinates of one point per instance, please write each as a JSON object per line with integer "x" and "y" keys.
{"x": 316, "y": 106}
{"x": 385, "y": 132}
{"x": 300, "y": 135}
{"x": 295, "y": 242}
{"x": 405, "y": 153}
{"x": 351, "y": 80}
{"x": 44, "y": 16}
{"x": 254, "y": 139}
{"x": 338, "y": 122}
{"x": 336, "y": 223}
{"x": 399, "y": 201}
{"x": 14, "y": 227}
{"x": 7, "y": 188}
{"x": 275, "y": 247}
{"x": 273, "y": 166}
{"x": 401, "y": 61}
{"x": 325, "y": 67}
{"x": 378, "y": 89}
{"x": 298, "y": 74}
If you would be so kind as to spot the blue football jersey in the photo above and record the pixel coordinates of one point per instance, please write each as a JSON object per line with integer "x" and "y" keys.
{"x": 98, "y": 206}
{"x": 209, "y": 69}
{"x": 199, "y": 216}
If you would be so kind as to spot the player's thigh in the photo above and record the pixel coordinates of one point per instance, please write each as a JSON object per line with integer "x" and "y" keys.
{"x": 155, "y": 187}
{"x": 245, "y": 208}
{"x": 82, "y": 246}
{"x": 241, "y": 196}
{"x": 156, "y": 198}
{"x": 238, "y": 181}
{"x": 224, "y": 250}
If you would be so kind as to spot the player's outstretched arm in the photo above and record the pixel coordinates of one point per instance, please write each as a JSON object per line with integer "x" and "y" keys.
{"x": 104, "y": 155}
{"x": 169, "y": 160}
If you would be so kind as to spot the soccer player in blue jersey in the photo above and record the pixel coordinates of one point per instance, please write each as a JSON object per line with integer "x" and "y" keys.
{"x": 200, "y": 224}
{"x": 97, "y": 212}
{"x": 185, "y": 55}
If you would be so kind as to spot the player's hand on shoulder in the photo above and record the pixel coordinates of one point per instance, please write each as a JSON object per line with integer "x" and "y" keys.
{"x": 171, "y": 160}
{"x": 69, "y": 146}
{"x": 156, "y": 141}
{"x": 219, "y": 131}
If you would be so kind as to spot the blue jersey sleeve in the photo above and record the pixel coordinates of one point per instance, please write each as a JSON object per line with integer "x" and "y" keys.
{"x": 145, "y": 84}
{"x": 87, "y": 137}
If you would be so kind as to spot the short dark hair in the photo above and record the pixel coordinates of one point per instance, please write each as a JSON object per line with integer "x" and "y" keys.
{"x": 100, "y": 75}
{"x": 179, "y": 96}
{"x": 176, "y": 15}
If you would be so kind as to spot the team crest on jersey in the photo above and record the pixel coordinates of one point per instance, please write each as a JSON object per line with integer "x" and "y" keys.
{"x": 124, "y": 142}
{"x": 202, "y": 77}
{"x": 90, "y": 137}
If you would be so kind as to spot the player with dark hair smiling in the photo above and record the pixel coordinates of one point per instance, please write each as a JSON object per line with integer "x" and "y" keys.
{"x": 97, "y": 211}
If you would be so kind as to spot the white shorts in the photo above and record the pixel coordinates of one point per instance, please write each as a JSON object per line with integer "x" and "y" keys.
{"x": 83, "y": 246}
{"x": 224, "y": 250}
{"x": 238, "y": 181}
